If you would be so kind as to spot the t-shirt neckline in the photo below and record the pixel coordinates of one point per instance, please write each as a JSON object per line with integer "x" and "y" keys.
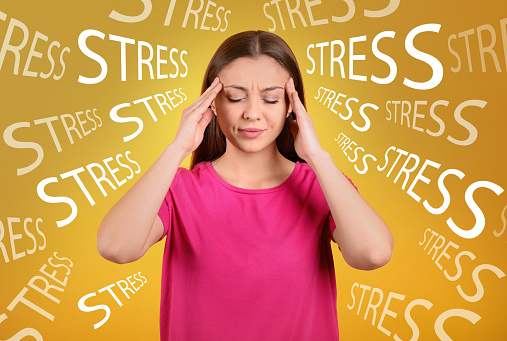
{"x": 227, "y": 185}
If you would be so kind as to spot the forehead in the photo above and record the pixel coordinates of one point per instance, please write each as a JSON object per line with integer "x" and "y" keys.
{"x": 249, "y": 72}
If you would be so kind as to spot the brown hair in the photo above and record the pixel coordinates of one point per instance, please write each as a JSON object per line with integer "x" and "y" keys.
{"x": 249, "y": 44}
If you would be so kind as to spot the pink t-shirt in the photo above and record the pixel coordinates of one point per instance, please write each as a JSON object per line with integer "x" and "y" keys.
{"x": 247, "y": 264}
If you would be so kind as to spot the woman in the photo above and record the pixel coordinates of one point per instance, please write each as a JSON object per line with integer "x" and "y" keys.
{"x": 247, "y": 253}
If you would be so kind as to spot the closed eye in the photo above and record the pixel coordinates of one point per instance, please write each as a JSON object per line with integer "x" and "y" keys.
{"x": 234, "y": 100}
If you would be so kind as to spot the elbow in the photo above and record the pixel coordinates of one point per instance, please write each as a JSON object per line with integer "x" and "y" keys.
{"x": 371, "y": 259}
{"x": 106, "y": 253}
{"x": 113, "y": 255}
{"x": 379, "y": 258}
{"x": 113, "y": 252}
{"x": 380, "y": 254}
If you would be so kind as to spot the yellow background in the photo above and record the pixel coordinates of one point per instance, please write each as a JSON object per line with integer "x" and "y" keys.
{"x": 411, "y": 271}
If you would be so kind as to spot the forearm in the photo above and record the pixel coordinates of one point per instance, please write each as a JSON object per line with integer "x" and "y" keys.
{"x": 364, "y": 239}
{"x": 125, "y": 229}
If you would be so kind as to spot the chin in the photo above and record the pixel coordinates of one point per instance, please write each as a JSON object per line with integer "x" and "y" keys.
{"x": 251, "y": 146}
{"x": 251, "y": 149}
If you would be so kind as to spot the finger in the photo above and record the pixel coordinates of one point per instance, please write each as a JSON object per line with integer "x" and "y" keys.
{"x": 206, "y": 102}
{"x": 289, "y": 90}
{"x": 295, "y": 101}
{"x": 208, "y": 90}
{"x": 201, "y": 98}
{"x": 212, "y": 86}
{"x": 288, "y": 87}
{"x": 297, "y": 106}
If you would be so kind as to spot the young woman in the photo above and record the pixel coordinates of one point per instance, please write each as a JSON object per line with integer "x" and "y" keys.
{"x": 248, "y": 227}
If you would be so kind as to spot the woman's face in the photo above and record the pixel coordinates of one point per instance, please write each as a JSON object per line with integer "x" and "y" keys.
{"x": 252, "y": 107}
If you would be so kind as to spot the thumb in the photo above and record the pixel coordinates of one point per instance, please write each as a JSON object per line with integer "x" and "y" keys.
{"x": 206, "y": 118}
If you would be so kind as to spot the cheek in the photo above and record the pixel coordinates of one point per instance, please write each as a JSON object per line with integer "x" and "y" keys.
{"x": 281, "y": 115}
{"x": 219, "y": 103}
{"x": 224, "y": 108}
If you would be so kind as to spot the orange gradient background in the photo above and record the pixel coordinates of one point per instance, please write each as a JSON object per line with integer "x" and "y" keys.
{"x": 411, "y": 272}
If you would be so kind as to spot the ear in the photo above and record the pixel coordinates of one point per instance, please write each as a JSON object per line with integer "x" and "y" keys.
{"x": 213, "y": 108}
{"x": 289, "y": 111}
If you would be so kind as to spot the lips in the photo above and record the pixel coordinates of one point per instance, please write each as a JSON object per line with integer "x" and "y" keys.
{"x": 251, "y": 129}
{"x": 251, "y": 132}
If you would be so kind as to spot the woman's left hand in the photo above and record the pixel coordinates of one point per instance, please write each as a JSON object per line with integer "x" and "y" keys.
{"x": 306, "y": 141}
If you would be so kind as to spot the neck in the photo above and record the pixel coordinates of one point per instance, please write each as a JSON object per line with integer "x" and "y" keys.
{"x": 236, "y": 164}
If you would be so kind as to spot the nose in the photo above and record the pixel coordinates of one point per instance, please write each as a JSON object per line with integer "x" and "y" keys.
{"x": 251, "y": 111}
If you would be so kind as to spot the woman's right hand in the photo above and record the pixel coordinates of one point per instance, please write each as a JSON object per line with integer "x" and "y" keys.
{"x": 132, "y": 225}
{"x": 195, "y": 119}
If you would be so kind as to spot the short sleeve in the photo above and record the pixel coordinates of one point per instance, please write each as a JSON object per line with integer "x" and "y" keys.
{"x": 329, "y": 219}
{"x": 166, "y": 210}
{"x": 330, "y": 223}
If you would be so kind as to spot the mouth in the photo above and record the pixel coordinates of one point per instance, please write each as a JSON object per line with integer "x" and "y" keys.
{"x": 251, "y": 129}
{"x": 251, "y": 132}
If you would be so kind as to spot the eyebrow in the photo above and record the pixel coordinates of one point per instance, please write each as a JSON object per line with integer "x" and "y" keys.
{"x": 271, "y": 88}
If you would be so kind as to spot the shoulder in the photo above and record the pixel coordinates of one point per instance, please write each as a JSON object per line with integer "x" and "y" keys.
{"x": 306, "y": 172}
{"x": 304, "y": 178}
{"x": 198, "y": 169}
{"x": 188, "y": 176}
{"x": 309, "y": 175}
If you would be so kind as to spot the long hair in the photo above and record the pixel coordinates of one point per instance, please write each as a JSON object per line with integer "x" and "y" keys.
{"x": 253, "y": 44}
